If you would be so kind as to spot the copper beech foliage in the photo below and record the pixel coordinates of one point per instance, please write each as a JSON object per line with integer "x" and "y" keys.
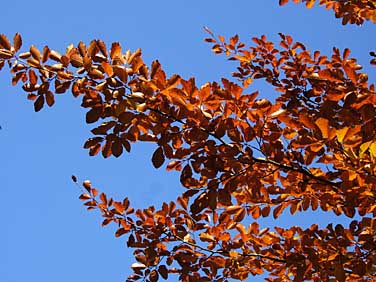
{"x": 350, "y": 11}
{"x": 240, "y": 156}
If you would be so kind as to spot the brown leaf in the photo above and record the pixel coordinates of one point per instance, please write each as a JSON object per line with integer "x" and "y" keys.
{"x": 35, "y": 53}
{"x": 102, "y": 47}
{"x": 121, "y": 73}
{"x": 4, "y": 42}
{"x": 158, "y": 158}
{"x": 56, "y": 56}
{"x": 174, "y": 165}
{"x": 50, "y": 98}
{"x": 265, "y": 211}
{"x": 107, "y": 68}
{"x": 74, "y": 178}
{"x": 107, "y": 149}
{"x": 126, "y": 117}
{"x": 93, "y": 115}
{"x": 5, "y": 54}
{"x": 183, "y": 202}
{"x": 224, "y": 197}
{"x": 154, "y": 276}
{"x": 117, "y": 148}
{"x": 38, "y": 104}
{"x": 76, "y": 60}
{"x": 239, "y": 215}
{"x": 120, "y": 231}
{"x": 33, "y": 78}
{"x": 46, "y": 54}
{"x": 163, "y": 271}
{"x": 115, "y": 50}
{"x": 278, "y": 210}
{"x": 200, "y": 203}
{"x": 17, "y": 42}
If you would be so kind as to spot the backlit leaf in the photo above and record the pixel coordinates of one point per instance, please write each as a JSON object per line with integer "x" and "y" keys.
{"x": 327, "y": 74}
{"x": 323, "y": 125}
{"x": 341, "y": 133}
{"x": 350, "y": 72}
{"x": 310, "y": 3}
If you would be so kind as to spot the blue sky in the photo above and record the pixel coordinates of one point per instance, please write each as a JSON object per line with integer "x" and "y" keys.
{"x": 46, "y": 234}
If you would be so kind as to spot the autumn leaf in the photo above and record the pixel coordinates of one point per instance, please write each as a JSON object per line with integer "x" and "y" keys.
{"x": 323, "y": 125}
{"x": 17, "y": 42}
{"x": 4, "y": 42}
{"x": 158, "y": 158}
{"x": 329, "y": 75}
{"x": 239, "y": 156}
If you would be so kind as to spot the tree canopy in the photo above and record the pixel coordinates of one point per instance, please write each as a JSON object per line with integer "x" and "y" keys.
{"x": 240, "y": 156}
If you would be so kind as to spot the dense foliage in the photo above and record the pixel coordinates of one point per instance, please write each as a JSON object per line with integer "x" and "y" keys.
{"x": 240, "y": 157}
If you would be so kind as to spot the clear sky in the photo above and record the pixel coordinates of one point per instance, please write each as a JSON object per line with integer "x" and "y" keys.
{"x": 46, "y": 234}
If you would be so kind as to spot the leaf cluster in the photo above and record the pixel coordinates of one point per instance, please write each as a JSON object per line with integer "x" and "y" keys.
{"x": 240, "y": 157}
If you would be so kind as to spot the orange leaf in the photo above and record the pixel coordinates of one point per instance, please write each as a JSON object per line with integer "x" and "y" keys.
{"x": 239, "y": 215}
{"x": 278, "y": 210}
{"x": 327, "y": 74}
{"x": 350, "y": 72}
{"x": 33, "y": 78}
{"x": 119, "y": 207}
{"x": 310, "y": 3}
{"x": 283, "y": 2}
{"x": 115, "y": 50}
{"x": 323, "y": 125}
{"x": 205, "y": 237}
{"x": 107, "y": 68}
